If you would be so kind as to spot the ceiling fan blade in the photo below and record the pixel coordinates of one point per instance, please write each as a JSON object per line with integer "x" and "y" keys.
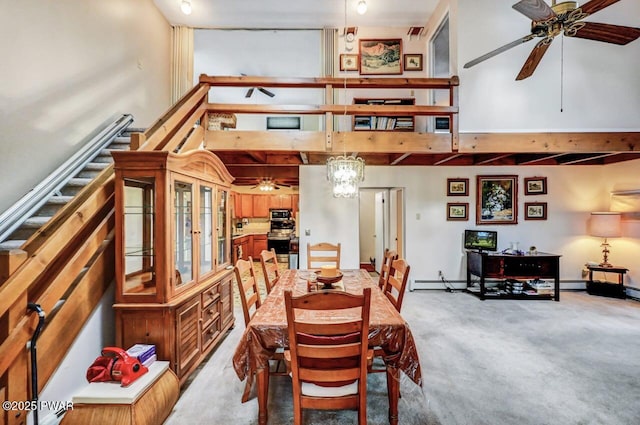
{"x": 534, "y": 58}
{"x": 608, "y": 33}
{"x": 594, "y": 6}
{"x": 267, "y": 92}
{"x": 536, "y": 10}
{"x": 499, "y": 50}
{"x": 249, "y": 92}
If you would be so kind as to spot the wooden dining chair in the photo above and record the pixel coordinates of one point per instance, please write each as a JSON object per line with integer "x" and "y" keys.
{"x": 394, "y": 289}
{"x": 323, "y": 253}
{"x": 269, "y": 268}
{"x": 328, "y": 359}
{"x": 389, "y": 256}
{"x": 247, "y": 288}
{"x": 250, "y": 300}
{"x": 397, "y": 282}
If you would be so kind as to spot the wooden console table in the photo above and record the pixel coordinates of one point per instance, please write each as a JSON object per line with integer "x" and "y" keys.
{"x": 517, "y": 267}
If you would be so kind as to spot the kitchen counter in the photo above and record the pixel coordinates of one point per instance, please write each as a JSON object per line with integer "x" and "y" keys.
{"x": 239, "y": 235}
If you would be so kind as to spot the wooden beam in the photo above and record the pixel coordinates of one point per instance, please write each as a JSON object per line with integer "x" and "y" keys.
{"x": 492, "y": 158}
{"x": 587, "y": 158}
{"x": 549, "y": 142}
{"x": 309, "y": 141}
{"x": 399, "y": 159}
{"x": 259, "y": 171}
{"x": 194, "y": 140}
{"x": 447, "y": 159}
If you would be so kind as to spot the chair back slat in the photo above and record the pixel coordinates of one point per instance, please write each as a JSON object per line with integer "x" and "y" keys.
{"x": 389, "y": 256}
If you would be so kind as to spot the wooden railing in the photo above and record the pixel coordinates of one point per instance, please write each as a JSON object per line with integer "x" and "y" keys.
{"x": 68, "y": 264}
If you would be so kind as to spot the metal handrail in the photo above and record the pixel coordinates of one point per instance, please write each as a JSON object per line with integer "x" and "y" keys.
{"x": 26, "y": 206}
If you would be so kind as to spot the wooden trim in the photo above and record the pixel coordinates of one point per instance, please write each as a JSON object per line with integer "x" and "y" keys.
{"x": 356, "y": 109}
{"x": 336, "y": 83}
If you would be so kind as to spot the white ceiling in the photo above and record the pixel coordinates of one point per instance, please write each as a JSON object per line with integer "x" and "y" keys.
{"x": 304, "y": 14}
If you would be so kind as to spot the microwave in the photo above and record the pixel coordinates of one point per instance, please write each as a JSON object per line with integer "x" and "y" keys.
{"x": 279, "y": 214}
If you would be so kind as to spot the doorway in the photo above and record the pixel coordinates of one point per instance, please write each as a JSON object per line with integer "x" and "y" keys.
{"x": 381, "y": 225}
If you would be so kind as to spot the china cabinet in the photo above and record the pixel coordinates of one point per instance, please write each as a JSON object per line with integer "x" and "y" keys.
{"x": 173, "y": 254}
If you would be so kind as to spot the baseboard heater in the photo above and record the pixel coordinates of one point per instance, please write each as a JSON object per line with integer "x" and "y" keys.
{"x": 418, "y": 284}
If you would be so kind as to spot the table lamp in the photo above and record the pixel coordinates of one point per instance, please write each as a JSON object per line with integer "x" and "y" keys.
{"x": 605, "y": 225}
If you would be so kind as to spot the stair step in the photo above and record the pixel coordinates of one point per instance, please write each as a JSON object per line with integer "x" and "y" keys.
{"x": 59, "y": 200}
{"x": 12, "y": 244}
{"x": 35, "y": 222}
{"x": 96, "y": 166}
{"x": 53, "y": 205}
{"x": 78, "y": 181}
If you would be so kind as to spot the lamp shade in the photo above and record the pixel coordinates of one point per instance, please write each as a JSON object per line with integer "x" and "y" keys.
{"x": 605, "y": 224}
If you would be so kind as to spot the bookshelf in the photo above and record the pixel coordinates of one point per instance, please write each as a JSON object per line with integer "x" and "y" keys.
{"x": 383, "y": 122}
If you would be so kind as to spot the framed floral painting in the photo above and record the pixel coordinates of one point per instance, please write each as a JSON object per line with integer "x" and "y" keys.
{"x": 497, "y": 200}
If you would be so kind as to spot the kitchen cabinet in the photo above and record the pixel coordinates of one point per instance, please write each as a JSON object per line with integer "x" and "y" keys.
{"x": 173, "y": 247}
{"x": 280, "y": 201}
{"x": 261, "y": 205}
{"x": 246, "y": 205}
{"x": 259, "y": 244}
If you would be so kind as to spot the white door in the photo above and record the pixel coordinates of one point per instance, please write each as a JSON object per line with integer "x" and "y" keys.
{"x": 380, "y": 228}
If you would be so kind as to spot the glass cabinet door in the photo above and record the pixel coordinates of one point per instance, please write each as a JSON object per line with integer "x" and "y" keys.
{"x": 139, "y": 250}
{"x": 206, "y": 230}
{"x": 183, "y": 222}
{"x": 221, "y": 228}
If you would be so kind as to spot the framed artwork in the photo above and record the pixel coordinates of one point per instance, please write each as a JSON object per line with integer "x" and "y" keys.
{"x": 535, "y": 210}
{"x": 497, "y": 200}
{"x": 457, "y": 187}
{"x": 457, "y": 211}
{"x": 348, "y": 62}
{"x": 535, "y": 186}
{"x": 413, "y": 62}
{"x": 381, "y": 56}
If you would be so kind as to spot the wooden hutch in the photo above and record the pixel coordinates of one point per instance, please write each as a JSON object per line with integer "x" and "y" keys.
{"x": 173, "y": 244}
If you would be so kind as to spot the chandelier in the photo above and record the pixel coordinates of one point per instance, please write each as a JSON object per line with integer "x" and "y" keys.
{"x": 344, "y": 173}
{"x": 266, "y": 185}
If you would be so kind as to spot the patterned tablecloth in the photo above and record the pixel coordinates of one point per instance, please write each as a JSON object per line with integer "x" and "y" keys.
{"x": 267, "y": 330}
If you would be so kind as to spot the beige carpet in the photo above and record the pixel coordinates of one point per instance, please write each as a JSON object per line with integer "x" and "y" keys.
{"x": 494, "y": 362}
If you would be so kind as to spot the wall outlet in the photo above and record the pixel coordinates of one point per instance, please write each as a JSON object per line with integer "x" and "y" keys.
{"x": 307, "y": 232}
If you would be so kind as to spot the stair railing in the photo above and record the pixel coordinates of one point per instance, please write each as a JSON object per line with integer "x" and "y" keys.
{"x": 26, "y": 206}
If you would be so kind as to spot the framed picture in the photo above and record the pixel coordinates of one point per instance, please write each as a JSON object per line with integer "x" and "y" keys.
{"x": 497, "y": 200}
{"x": 457, "y": 211}
{"x": 535, "y": 210}
{"x": 457, "y": 187}
{"x": 535, "y": 186}
{"x": 381, "y": 57}
{"x": 348, "y": 62}
{"x": 413, "y": 62}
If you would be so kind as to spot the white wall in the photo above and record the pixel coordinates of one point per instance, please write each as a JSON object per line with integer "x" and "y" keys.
{"x": 601, "y": 80}
{"x": 68, "y": 67}
{"x": 432, "y": 243}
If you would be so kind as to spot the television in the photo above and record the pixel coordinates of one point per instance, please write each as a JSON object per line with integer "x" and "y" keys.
{"x": 481, "y": 240}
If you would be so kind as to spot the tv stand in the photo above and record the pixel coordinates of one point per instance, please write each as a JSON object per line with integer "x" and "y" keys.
{"x": 508, "y": 267}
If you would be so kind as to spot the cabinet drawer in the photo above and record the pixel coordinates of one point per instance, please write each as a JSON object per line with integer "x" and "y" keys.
{"x": 210, "y": 314}
{"x": 210, "y": 295}
{"x": 211, "y": 333}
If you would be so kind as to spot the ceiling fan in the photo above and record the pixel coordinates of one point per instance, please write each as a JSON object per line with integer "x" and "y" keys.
{"x": 564, "y": 17}
{"x": 267, "y": 184}
{"x": 260, "y": 89}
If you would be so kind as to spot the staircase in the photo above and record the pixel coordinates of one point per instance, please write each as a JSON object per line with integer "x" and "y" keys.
{"x": 53, "y": 201}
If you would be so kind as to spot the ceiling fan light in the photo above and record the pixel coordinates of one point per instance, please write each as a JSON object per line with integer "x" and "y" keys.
{"x": 362, "y": 7}
{"x": 185, "y": 7}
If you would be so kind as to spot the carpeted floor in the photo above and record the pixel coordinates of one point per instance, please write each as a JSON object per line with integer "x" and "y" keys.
{"x": 484, "y": 362}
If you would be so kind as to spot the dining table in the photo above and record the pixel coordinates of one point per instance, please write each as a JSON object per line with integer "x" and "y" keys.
{"x": 267, "y": 332}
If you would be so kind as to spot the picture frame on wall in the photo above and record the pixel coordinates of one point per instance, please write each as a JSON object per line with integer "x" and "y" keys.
{"x": 380, "y": 56}
{"x": 412, "y": 62}
{"x": 458, "y": 187}
{"x": 535, "y": 186}
{"x": 535, "y": 210}
{"x": 497, "y": 199}
{"x": 348, "y": 62}
{"x": 457, "y": 211}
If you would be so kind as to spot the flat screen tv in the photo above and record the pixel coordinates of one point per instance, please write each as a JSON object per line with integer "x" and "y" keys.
{"x": 482, "y": 240}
